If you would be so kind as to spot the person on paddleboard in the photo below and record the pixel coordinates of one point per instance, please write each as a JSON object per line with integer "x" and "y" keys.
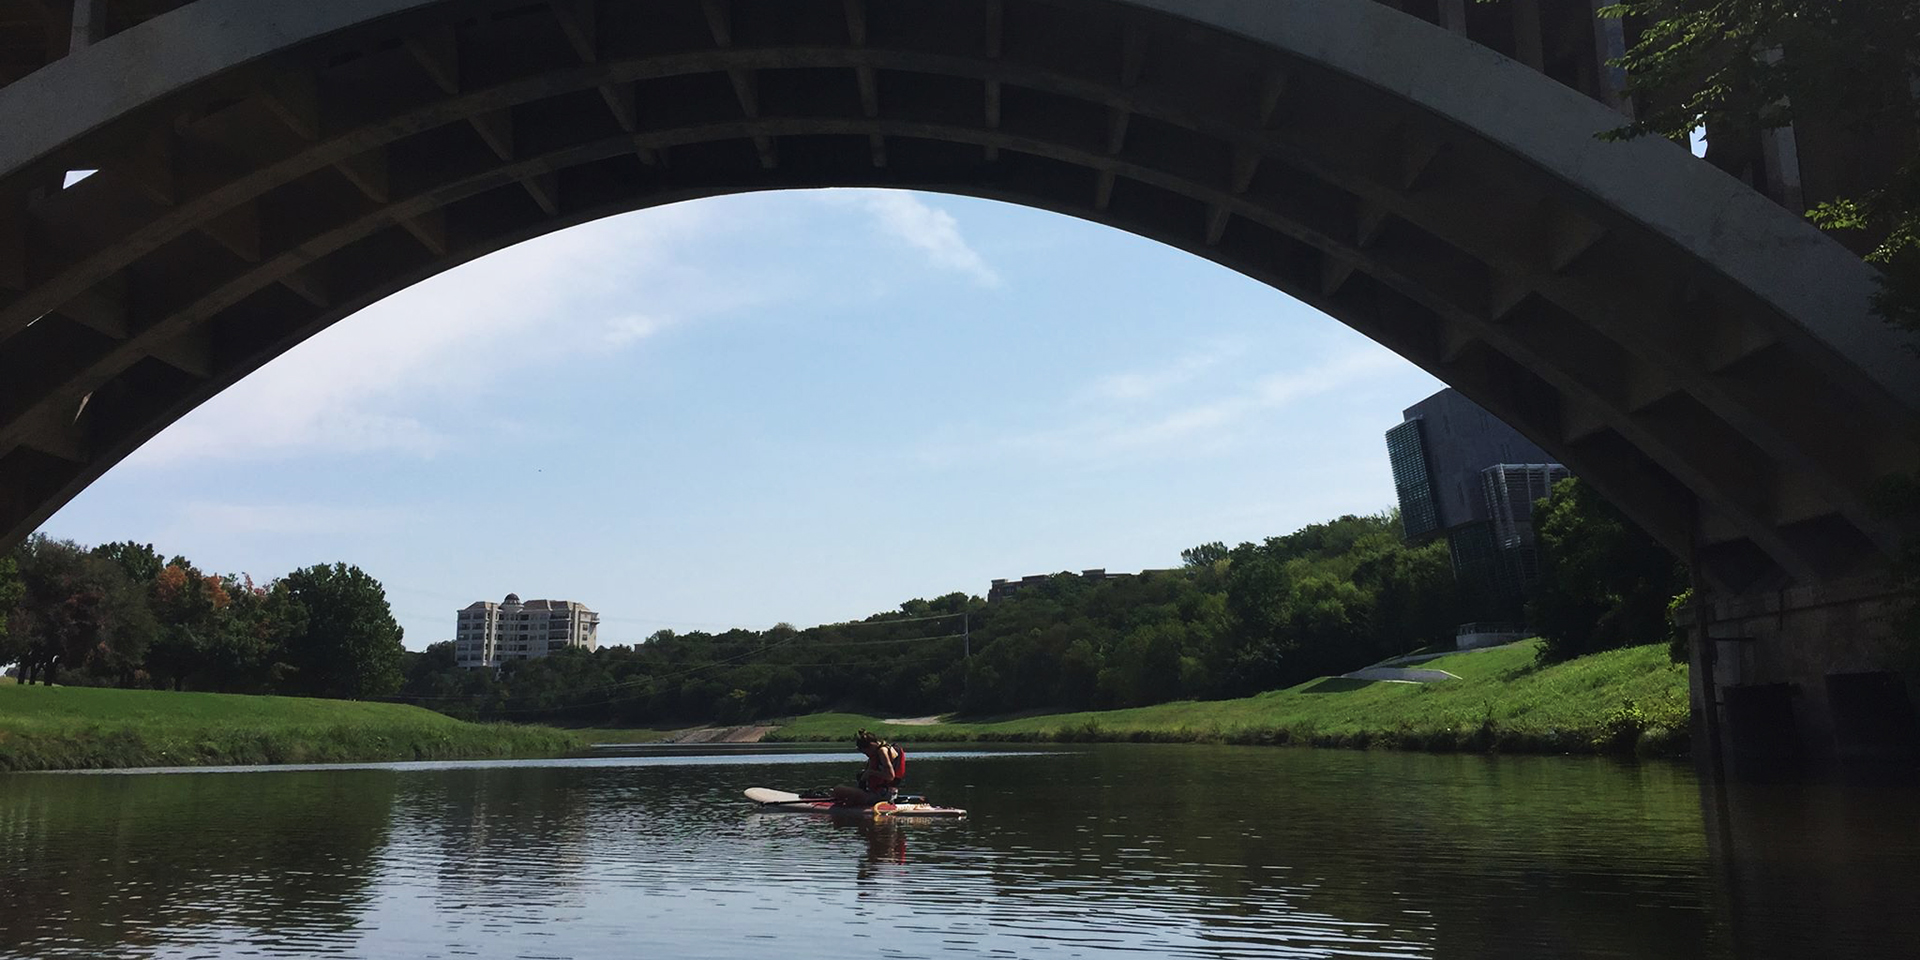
{"x": 880, "y": 780}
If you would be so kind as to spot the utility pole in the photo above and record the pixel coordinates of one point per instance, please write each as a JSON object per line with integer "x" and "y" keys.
{"x": 966, "y": 659}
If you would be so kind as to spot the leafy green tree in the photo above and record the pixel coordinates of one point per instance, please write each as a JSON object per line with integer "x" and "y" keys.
{"x": 348, "y": 645}
{"x": 1078, "y": 678}
{"x": 140, "y": 562}
{"x": 1258, "y": 590}
{"x": 1329, "y": 619}
{"x": 195, "y": 616}
{"x": 436, "y": 657}
{"x": 1415, "y": 599}
{"x": 79, "y": 613}
{"x": 249, "y": 655}
{"x": 1204, "y": 555}
{"x": 1604, "y": 583}
{"x": 13, "y": 644}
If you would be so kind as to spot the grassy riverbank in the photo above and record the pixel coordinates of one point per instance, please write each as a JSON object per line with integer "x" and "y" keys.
{"x": 1621, "y": 701}
{"x": 59, "y": 728}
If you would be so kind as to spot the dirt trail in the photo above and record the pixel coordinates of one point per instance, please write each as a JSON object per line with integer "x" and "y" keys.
{"x": 752, "y": 734}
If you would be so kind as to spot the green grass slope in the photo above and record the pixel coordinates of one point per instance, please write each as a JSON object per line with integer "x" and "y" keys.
{"x": 1631, "y": 700}
{"x": 58, "y": 728}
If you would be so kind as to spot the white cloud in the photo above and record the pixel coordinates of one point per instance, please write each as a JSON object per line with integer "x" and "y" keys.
{"x": 457, "y": 336}
{"x": 1266, "y": 395}
{"x": 934, "y": 232}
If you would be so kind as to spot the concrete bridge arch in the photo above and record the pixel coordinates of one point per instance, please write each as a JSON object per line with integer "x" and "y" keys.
{"x": 1704, "y": 357}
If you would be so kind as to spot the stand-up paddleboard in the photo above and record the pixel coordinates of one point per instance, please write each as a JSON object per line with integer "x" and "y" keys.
{"x": 898, "y": 807}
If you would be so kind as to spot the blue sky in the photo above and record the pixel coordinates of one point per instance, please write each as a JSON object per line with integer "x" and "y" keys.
{"x": 801, "y": 407}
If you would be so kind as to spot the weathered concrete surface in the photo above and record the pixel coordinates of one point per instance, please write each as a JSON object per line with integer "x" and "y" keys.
{"x": 1674, "y": 337}
{"x": 1705, "y": 359}
{"x": 1807, "y": 675}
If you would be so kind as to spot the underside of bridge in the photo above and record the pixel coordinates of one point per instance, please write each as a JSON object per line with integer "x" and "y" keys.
{"x": 1700, "y": 355}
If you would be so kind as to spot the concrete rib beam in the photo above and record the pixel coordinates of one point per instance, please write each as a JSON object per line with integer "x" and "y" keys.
{"x": 1426, "y": 72}
{"x": 1808, "y": 277}
{"x": 1739, "y": 232}
{"x": 1764, "y": 248}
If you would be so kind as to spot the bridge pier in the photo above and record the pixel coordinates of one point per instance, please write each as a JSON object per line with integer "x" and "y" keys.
{"x": 1806, "y": 678}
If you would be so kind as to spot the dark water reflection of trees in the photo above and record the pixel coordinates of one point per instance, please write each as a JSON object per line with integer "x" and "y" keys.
{"x": 89, "y": 863}
{"x": 1526, "y": 857}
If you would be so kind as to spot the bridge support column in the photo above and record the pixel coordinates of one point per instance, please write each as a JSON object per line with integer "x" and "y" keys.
{"x": 1809, "y": 677}
{"x": 89, "y": 23}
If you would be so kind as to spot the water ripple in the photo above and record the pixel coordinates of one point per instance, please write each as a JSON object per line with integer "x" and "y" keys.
{"x": 1123, "y": 851}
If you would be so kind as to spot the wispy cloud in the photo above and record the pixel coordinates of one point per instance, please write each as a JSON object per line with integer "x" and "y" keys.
{"x": 1138, "y": 385}
{"x": 1131, "y": 433}
{"x": 208, "y": 518}
{"x": 458, "y": 336}
{"x": 932, "y": 231}
{"x": 622, "y": 331}
{"x": 1266, "y": 395}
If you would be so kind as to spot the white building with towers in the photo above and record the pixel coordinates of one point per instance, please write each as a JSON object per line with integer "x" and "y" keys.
{"x": 489, "y": 634}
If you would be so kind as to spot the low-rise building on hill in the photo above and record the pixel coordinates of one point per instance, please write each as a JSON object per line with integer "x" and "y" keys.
{"x": 1003, "y": 588}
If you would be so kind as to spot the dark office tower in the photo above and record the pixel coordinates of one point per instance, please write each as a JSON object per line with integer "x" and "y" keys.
{"x": 1462, "y": 474}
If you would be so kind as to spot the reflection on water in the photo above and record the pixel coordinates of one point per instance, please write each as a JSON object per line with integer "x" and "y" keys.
{"x": 129, "y": 865}
{"x": 1085, "y": 852}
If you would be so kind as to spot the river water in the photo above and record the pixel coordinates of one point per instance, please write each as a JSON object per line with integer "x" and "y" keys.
{"x": 1072, "y": 851}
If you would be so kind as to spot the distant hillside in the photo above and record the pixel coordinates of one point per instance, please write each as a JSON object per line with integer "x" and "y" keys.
{"x": 1229, "y": 622}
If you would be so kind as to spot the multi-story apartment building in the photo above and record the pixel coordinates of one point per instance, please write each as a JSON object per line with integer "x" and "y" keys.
{"x": 488, "y": 634}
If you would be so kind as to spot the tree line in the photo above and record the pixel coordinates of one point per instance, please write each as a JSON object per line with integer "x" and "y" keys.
{"x": 1228, "y": 622}
{"x": 120, "y": 615}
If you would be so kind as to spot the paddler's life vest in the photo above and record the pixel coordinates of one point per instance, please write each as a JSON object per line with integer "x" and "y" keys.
{"x": 891, "y": 763}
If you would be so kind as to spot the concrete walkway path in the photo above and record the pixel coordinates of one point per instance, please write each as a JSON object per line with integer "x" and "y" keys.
{"x": 1398, "y": 675}
{"x": 1424, "y": 657}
